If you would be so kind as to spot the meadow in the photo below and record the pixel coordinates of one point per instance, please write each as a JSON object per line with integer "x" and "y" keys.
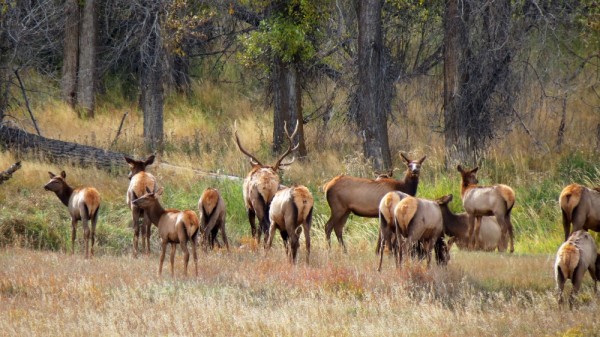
{"x": 46, "y": 291}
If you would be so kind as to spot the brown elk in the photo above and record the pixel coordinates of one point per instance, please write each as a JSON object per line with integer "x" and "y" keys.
{"x": 361, "y": 196}
{"x": 574, "y": 257}
{"x": 291, "y": 208}
{"x": 456, "y": 226}
{"x": 416, "y": 220}
{"x": 261, "y": 184}
{"x": 581, "y": 206}
{"x": 211, "y": 207}
{"x": 83, "y": 204}
{"x": 478, "y": 201}
{"x": 174, "y": 227}
{"x": 139, "y": 181}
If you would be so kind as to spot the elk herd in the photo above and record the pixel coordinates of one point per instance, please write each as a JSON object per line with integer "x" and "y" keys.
{"x": 408, "y": 226}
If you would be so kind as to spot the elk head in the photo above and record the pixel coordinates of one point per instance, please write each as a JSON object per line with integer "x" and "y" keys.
{"x": 148, "y": 199}
{"x": 57, "y": 182}
{"x": 468, "y": 176}
{"x": 137, "y": 166}
{"x": 414, "y": 166}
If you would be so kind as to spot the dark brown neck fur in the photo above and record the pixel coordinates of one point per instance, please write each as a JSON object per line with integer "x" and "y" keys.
{"x": 409, "y": 184}
{"x": 454, "y": 224}
{"x": 155, "y": 212}
{"x": 65, "y": 194}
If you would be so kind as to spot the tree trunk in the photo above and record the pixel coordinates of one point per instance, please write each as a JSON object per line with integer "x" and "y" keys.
{"x": 371, "y": 97}
{"x": 70, "y": 52}
{"x": 287, "y": 101}
{"x": 151, "y": 84}
{"x": 7, "y": 174}
{"x": 87, "y": 60}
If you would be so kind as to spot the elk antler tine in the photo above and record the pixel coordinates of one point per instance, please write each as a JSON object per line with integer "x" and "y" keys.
{"x": 237, "y": 139}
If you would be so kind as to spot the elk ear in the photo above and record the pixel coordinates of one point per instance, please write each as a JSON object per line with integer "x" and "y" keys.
{"x": 148, "y": 190}
{"x": 150, "y": 160}
{"x": 159, "y": 192}
{"x": 404, "y": 157}
{"x": 128, "y": 160}
{"x": 475, "y": 169}
{"x": 460, "y": 169}
{"x": 135, "y": 197}
{"x": 63, "y": 174}
{"x": 52, "y": 175}
{"x": 422, "y": 159}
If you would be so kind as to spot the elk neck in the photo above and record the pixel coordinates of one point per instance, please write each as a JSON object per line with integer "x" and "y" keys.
{"x": 409, "y": 184}
{"x": 155, "y": 211}
{"x": 64, "y": 194}
{"x": 464, "y": 188}
{"x": 453, "y": 223}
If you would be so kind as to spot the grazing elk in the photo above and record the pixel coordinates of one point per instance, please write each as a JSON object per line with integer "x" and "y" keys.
{"x": 574, "y": 257}
{"x": 478, "y": 201}
{"x": 291, "y": 210}
{"x": 456, "y": 226}
{"x": 174, "y": 227}
{"x": 581, "y": 206}
{"x": 83, "y": 204}
{"x": 140, "y": 180}
{"x": 211, "y": 207}
{"x": 361, "y": 196}
{"x": 418, "y": 220}
{"x": 261, "y": 184}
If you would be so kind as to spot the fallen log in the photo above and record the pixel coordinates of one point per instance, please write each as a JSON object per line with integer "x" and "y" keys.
{"x": 57, "y": 151}
{"x": 7, "y": 174}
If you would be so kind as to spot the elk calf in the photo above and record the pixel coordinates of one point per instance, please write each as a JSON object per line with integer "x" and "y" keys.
{"x": 581, "y": 206}
{"x": 174, "y": 227}
{"x": 574, "y": 257}
{"x": 140, "y": 181}
{"x": 211, "y": 208}
{"x": 83, "y": 204}
{"x": 291, "y": 208}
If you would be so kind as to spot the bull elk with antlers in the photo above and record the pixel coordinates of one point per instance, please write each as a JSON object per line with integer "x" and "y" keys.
{"x": 261, "y": 184}
{"x": 361, "y": 196}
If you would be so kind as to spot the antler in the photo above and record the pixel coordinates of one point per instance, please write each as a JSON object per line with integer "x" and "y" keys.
{"x": 253, "y": 159}
{"x": 290, "y": 149}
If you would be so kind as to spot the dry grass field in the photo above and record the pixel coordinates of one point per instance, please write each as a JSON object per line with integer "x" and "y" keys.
{"x": 247, "y": 292}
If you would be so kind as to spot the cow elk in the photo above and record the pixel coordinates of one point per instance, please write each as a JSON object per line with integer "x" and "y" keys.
{"x": 261, "y": 184}
{"x": 174, "y": 227}
{"x": 361, "y": 196}
{"x": 581, "y": 207}
{"x": 574, "y": 257}
{"x": 291, "y": 210}
{"x": 83, "y": 204}
{"x": 140, "y": 180}
{"x": 478, "y": 201}
{"x": 211, "y": 207}
{"x": 417, "y": 220}
{"x": 456, "y": 226}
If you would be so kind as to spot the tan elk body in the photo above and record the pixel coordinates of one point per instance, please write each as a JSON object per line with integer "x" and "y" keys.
{"x": 580, "y": 206}
{"x": 361, "y": 196}
{"x": 291, "y": 209}
{"x": 174, "y": 227}
{"x": 261, "y": 184}
{"x": 212, "y": 210}
{"x": 83, "y": 204}
{"x": 574, "y": 257}
{"x": 140, "y": 180}
{"x": 478, "y": 201}
{"x": 387, "y": 225}
{"x": 456, "y": 226}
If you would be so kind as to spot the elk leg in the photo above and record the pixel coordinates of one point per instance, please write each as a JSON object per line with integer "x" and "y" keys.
{"x": 271, "y": 234}
{"x": 475, "y": 237}
{"x": 173, "y": 247}
{"x": 471, "y": 227}
{"x": 294, "y": 243}
{"x": 252, "y": 220}
{"x": 306, "y": 230}
{"x": 163, "y": 250}
{"x": 577, "y": 280}
{"x": 566, "y": 225}
{"x": 73, "y": 235}
{"x": 383, "y": 232}
{"x": 186, "y": 255}
{"x": 135, "y": 213}
{"x": 428, "y": 245}
{"x": 224, "y": 235}
{"x": 336, "y": 223}
{"x": 560, "y": 285}
{"x": 506, "y": 226}
{"x": 148, "y": 226}
{"x": 195, "y": 253}
{"x": 86, "y": 236}
{"x": 94, "y": 221}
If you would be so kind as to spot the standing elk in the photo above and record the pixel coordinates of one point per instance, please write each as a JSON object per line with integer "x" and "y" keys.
{"x": 361, "y": 196}
{"x": 140, "y": 180}
{"x": 479, "y": 201}
{"x": 581, "y": 206}
{"x": 261, "y": 184}
{"x": 291, "y": 210}
{"x": 417, "y": 220}
{"x": 174, "y": 227}
{"x": 83, "y": 204}
{"x": 211, "y": 207}
{"x": 456, "y": 226}
{"x": 574, "y": 257}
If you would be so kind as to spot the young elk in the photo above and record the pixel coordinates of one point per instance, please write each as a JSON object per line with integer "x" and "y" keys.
{"x": 361, "y": 196}
{"x": 418, "y": 220}
{"x": 581, "y": 206}
{"x": 140, "y": 180}
{"x": 479, "y": 201}
{"x": 212, "y": 217}
{"x": 174, "y": 227}
{"x": 387, "y": 227}
{"x": 291, "y": 208}
{"x": 83, "y": 204}
{"x": 456, "y": 226}
{"x": 573, "y": 258}
{"x": 261, "y": 184}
